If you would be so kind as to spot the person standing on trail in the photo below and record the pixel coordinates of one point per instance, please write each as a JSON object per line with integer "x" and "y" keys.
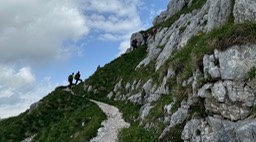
{"x": 134, "y": 43}
{"x": 154, "y": 32}
{"x": 70, "y": 80}
{"x": 77, "y": 77}
{"x": 98, "y": 68}
{"x": 145, "y": 37}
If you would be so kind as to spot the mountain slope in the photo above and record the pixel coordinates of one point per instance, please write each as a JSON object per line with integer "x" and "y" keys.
{"x": 193, "y": 81}
{"x": 58, "y": 117}
{"x": 197, "y": 81}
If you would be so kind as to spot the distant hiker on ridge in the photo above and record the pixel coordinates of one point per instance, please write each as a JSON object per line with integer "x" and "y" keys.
{"x": 70, "y": 80}
{"x": 77, "y": 77}
{"x": 98, "y": 68}
{"x": 145, "y": 37}
{"x": 154, "y": 31}
{"x": 134, "y": 43}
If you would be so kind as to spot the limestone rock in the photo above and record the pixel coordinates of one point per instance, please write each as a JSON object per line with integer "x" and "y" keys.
{"x": 118, "y": 86}
{"x": 236, "y": 61}
{"x": 177, "y": 118}
{"x": 215, "y": 130}
{"x": 33, "y": 107}
{"x": 144, "y": 111}
{"x": 110, "y": 95}
{"x": 209, "y": 67}
{"x": 173, "y": 7}
{"x": 137, "y": 98}
{"x": 244, "y": 10}
{"x": 213, "y": 14}
{"x": 219, "y": 91}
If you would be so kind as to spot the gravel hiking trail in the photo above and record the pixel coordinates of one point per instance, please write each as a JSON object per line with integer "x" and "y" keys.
{"x": 111, "y": 126}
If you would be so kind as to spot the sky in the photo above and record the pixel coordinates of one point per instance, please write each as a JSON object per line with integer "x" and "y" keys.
{"x": 43, "y": 41}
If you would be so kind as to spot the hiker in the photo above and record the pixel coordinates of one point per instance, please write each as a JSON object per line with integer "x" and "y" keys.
{"x": 154, "y": 31}
{"x": 77, "y": 77}
{"x": 98, "y": 68}
{"x": 134, "y": 43}
{"x": 70, "y": 80}
{"x": 145, "y": 37}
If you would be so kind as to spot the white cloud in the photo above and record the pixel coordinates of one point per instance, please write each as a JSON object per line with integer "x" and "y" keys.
{"x": 109, "y": 37}
{"x": 35, "y": 30}
{"x": 19, "y": 89}
{"x": 123, "y": 47}
{"x": 116, "y": 19}
{"x": 10, "y": 78}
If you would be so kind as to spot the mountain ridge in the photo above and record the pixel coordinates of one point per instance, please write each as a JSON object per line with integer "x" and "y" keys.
{"x": 195, "y": 81}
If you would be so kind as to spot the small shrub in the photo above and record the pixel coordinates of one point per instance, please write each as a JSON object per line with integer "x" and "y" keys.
{"x": 252, "y": 73}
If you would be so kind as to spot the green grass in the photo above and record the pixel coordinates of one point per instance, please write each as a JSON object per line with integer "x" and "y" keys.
{"x": 174, "y": 134}
{"x": 59, "y": 116}
{"x": 252, "y": 73}
{"x": 122, "y": 67}
{"x": 156, "y": 114}
{"x": 137, "y": 133}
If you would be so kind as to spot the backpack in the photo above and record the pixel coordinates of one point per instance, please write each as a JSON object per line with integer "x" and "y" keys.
{"x": 70, "y": 77}
{"x": 77, "y": 76}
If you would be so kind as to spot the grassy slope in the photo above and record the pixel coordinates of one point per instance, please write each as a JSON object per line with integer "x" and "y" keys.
{"x": 184, "y": 62}
{"x": 59, "y": 116}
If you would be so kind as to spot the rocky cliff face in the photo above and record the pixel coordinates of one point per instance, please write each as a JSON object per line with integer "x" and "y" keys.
{"x": 219, "y": 84}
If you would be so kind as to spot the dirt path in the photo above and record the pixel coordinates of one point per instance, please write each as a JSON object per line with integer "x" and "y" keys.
{"x": 111, "y": 126}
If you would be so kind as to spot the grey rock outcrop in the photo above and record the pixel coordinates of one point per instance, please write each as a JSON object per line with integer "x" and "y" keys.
{"x": 213, "y": 14}
{"x": 30, "y": 139}
{"x": 221, "y": 85}
{"x": 216, "y": 130}
{"x": 210, "y": 68}
{"x": 173, "y": 7}
{"x": 33, "y": 107}
{"x": 177, "y": 118}
{"x": 232, "y": 100}
{"x": 244, "y": 10}
{"x": 138, "y": 36}
{"x": 236, "y": 61}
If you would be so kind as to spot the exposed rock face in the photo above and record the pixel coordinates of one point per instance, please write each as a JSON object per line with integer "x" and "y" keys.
{"x": 177, "y": 118}
{"x": 245, "y": 10}
{"x": 237, "y": 61}
{"x": 33, "y": 107}
{"x": 30, "y": 139}
{"x": 216, "y": 130}
{"x": 173, "y": 7}
{"x": 229, "y": 99}
{"x": 234, "y": 63}
{"x": 138, "y": 36}
{"x": 213, "y": 14}
{"x": 232, "y": 100}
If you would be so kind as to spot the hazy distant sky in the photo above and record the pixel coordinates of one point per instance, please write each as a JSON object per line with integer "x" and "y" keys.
{"x": 43, "y": 41}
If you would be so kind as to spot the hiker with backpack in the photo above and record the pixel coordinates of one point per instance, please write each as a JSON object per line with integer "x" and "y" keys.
{"x": 70, "y": 80}
{"x": 154, "y": 32}
{"x": 134, "y": 43}
{"x": 145, "y": 37}
{"x": 77, "y": 77}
